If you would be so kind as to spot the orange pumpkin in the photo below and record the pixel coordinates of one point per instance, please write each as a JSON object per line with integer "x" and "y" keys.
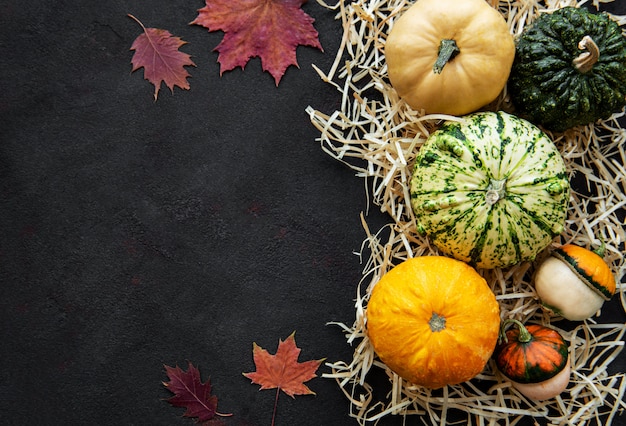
{"x": 433, "y": 320}
{"x": 535, "y": 358}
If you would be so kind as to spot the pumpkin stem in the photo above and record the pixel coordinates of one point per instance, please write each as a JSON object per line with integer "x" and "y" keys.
{"x": 495, "y": 191}
{"x": 437, "y": 322}
{"x": 600, "y": 250}
{"x": 447, "y": 51}
{"x": 524, "y": 334}
{"x": 586, "y": 60}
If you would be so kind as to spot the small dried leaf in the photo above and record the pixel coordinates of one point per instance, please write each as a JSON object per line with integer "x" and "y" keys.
{"x": 190, "y": 393}
{"x": 156, "y": 50}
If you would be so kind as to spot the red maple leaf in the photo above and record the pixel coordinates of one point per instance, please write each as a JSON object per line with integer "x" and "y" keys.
{"x": 269, "y": 29}
{"x": 190, "y": 393}
{"x": 156, "y": 50}
{"x": 282, "y": 371}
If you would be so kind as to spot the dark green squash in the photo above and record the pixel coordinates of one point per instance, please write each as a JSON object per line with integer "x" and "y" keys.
{"x": 557, "y": 80}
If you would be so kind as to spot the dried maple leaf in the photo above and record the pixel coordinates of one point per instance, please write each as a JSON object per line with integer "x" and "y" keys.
{"x": 156, "y": 50}
{"x": 269, "y": 29}
{"x": 283, "y": 371}
{"x": 190, "y": 393}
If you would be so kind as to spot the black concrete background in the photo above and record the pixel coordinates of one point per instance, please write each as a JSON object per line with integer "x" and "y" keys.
{"x": 136, "y": 233}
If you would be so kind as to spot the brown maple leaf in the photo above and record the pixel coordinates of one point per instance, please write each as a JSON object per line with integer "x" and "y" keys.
{"x": 156, "y": 50}
{"x": 269, "y": 29}
{"x": 190, "y": 393}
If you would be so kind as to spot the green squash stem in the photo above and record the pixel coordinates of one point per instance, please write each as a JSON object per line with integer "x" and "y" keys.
{"x": 524, "y": 334}
{"x": 586, "y": 60}
{"x": 447, "y": 51}
{"x": 600, "y": 250}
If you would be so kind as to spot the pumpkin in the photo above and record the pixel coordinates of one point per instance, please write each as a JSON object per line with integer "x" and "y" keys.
{"x": 574, "y": 282}
{"x": 569, "y": 69}
{"x": 433, "y": 320}
{"x": 490, "y": 190}
{"x": 449, "y": 56}
{"x": 535, "y": 358}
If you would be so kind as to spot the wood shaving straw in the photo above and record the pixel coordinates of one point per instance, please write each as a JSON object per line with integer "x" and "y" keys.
{"x": 377, "y": 135}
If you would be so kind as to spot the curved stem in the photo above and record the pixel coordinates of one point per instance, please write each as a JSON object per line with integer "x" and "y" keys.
{"x": 447, "y": 51}
{"x": 524, "y": 335}
{"x": 137, "y": 20}
{"x": 586, "y": 60}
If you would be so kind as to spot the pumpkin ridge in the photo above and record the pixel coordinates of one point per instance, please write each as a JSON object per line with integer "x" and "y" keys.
{"x": 514, "y": 231}
{"x": 542, "y": 365}
{"x": 535, "y": 373}
{"x": 536, "y": 219}
{"x": 448, "y": 227}
{"x": 504, "y": 143}
{"x": 475, "y": 253}
{"x": 571, "y": 262}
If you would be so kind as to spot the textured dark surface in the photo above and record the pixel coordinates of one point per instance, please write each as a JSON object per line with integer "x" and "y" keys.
{"x": 135, "y": 234}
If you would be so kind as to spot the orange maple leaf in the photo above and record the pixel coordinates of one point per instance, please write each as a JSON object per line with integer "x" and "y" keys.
{"x": 269, "y": 29}
{"x": 283, "y": 371}
{"x": 156, "y": 50}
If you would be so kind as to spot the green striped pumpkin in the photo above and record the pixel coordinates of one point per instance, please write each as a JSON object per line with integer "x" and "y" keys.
{"x": 490, "y": 190}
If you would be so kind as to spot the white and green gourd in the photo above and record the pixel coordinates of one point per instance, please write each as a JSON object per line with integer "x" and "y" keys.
{"x": 491, "y": 190}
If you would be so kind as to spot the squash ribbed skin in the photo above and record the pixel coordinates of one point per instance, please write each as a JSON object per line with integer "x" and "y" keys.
{"x": 547, "y": 88}
{"x": 491, "y": 191}
{"x": 540, "y": 359}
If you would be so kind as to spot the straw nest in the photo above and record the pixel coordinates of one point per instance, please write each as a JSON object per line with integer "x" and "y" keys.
{"x": 377, "y": 135}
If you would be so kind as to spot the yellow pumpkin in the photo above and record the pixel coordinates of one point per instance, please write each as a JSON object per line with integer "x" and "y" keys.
{"x": 433, "y": 320}
{"x": 449, "y": 56}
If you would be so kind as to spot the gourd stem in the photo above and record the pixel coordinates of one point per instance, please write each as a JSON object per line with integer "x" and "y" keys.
{"x": 495, "y": 191}
{"x": 524, "y": 335}
{"x": 447, "y": 51}
{"x": 437, "y": 322}
{"x": 600, "y": 250}
{"x": 586, "y": 60}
